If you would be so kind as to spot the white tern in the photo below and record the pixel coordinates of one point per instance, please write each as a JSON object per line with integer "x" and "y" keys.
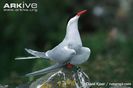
{"x": 69, "y": 52}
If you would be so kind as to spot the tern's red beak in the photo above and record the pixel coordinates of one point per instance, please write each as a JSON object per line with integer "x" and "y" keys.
{"x": 81, "y": 12}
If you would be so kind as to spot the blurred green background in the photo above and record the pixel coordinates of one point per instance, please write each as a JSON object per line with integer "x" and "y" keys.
{"x": 106, "y": 29}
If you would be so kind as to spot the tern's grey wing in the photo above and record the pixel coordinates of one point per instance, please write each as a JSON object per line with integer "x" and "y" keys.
{"x": 36, "y": 53}
{"x": 81, "y": 57}
{"x": 45, "y": 70}
{"x": 61, "y": 54}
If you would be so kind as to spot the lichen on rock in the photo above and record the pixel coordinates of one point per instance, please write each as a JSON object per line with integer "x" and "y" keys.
{"x": 64, "y": 78}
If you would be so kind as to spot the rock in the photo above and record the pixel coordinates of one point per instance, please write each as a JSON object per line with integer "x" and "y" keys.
{"x": 64, "y": 78}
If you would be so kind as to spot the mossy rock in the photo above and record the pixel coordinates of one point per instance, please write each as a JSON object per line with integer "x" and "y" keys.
{"x": 64, "y": 78}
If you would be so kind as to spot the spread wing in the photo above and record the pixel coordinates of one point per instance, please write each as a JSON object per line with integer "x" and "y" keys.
{"x": 36, "y": 53}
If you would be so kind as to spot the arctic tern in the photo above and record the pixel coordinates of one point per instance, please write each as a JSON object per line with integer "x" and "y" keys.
{"x": 68, "y": 53}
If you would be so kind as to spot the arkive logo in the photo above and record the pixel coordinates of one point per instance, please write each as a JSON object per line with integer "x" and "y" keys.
{"x": 23, "y": 6}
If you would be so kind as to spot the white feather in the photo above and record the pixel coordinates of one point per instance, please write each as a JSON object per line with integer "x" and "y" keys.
{"x": 22, "y": 58}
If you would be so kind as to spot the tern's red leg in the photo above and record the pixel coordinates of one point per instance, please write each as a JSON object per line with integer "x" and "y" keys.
{"x": 69, "y": 66}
